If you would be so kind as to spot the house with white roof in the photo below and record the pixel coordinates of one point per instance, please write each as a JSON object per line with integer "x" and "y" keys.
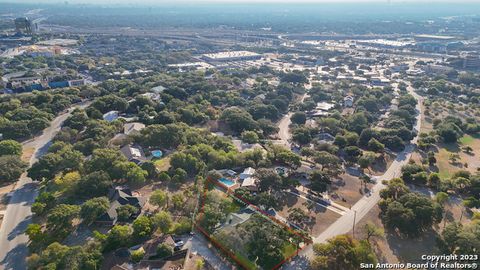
{"x": 248, "y": 179}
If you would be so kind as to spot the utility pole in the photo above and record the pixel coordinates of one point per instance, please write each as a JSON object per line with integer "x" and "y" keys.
{"x": 354, "y": 219}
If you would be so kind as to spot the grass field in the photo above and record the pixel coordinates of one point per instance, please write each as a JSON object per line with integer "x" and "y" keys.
{"x": 469, "y": 162}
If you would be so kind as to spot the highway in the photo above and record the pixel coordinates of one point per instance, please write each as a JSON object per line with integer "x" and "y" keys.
{"x": 360, "y": 209}
{"x": 18, "y": 215}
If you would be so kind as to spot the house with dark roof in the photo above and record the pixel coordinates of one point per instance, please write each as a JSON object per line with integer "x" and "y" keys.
{"x": 118, "y": 197}
{"x": 134, "y": 153}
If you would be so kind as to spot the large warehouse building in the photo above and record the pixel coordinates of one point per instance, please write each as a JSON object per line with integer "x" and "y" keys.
{"x": 231, "y": 56}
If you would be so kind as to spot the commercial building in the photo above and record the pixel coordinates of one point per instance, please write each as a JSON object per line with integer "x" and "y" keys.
{"x": 471, "y": 61}
{"x": 399, "y": 67}
{"x": 437, "y": 69}
{"x": 231, "y": 56}
{"x": 24, "y": 26}
{"x": 385, "y": 43}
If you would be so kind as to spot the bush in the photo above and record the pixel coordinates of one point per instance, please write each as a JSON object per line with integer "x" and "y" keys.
{"x": 164, "y": 250}
{"x": 137, "y": 255}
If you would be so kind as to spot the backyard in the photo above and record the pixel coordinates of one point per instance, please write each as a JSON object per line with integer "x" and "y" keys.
{"x": 243, "y": 232}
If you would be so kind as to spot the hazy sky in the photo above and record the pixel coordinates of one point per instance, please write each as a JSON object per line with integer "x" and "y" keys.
{"x": 236, "y": 1}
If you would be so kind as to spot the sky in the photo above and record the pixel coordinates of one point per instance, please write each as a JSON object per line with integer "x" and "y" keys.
{"x": 237, "y": 1}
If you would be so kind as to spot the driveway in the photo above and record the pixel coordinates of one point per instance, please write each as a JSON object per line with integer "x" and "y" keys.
{"x": 200, "y": 245}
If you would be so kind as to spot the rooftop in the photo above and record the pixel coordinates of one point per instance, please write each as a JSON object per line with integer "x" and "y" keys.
{"x": 234, "y": 54}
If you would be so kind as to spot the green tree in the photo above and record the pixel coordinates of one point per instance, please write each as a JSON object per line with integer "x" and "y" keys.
{"x": 375, "y": 146}
{"x": 125, "y": 212}
{"x": 61, "y": 216}
{"x": 342, "y": 253}
{"x": 268, "y": 179}
{"x": 163, "y": 221}
{"x": 119, "y": 236}
{"x": 249, "y": 136}
{"x": 94, "y": 184}
{"x": 94, "y": 208}
{"x": 299, "y": 118}
{"x": 319, "y": 181}
{"x": 159, "y": 198}
{"x": 371, "y": 230}
{"x": 11, "y": 167}
{"x": 129, "y": 171}
{"x": 10, "y": 147}
{"x": 297, "y": 216}
{"x": 238, "y": 119}
{"x": 137, "y": 255}
{"x": 142, "y": 227}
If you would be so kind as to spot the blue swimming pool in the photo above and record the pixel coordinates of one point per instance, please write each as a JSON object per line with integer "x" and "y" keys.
{"x": 157, "y": 153}
{"x": 226, "y": 182}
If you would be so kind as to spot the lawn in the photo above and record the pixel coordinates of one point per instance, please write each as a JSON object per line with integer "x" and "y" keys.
{"x": 469, "y": 162}
{"x": 162, "y": 164}
{"x": 468, "y": 140}
{"x": 241, "y": 230}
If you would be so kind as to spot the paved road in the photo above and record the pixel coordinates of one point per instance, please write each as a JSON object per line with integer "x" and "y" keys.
{"x": 345, "y": 223}
{"x": 18, "y": 215}
{"x": 284, "y": 133}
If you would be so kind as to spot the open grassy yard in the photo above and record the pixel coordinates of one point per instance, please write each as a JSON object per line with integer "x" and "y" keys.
{"x": 162, "y": 164}
{"x": 465, "y": 161}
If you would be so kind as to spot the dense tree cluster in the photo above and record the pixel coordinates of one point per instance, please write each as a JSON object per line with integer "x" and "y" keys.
{"x": 342, "y": 252}
{"x": 407, "y": 212}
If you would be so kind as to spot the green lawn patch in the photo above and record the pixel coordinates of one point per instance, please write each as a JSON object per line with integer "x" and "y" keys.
{"x": 467, "y": 140}
{"x": 162, "y": 164}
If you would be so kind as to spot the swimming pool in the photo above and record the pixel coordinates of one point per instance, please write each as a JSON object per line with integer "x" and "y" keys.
{"x": 157, "y": 153}
{"x": 226, "y": 182}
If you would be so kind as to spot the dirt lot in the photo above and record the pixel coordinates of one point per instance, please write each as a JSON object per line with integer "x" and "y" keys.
{"x": 27, "y": 153}
{"x": 381, "y": 165}
{"x": 349, "y": 188}
{"x": 320, "y": 217}
{"x": 393, "y": 248}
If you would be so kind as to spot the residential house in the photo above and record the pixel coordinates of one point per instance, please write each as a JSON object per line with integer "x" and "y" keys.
{"x": 120, "y": 196}
{"x": 132, "y": 128}
{"x": 326, "y": 137}
{"x": 248, "y": 179}
{"x": 110, "y": 116}
{"x": 134, "y": 153}
{"x": 348, "y": 101}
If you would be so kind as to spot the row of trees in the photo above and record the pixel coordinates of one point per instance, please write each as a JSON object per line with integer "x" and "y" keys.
{"x": 11, "y": 165}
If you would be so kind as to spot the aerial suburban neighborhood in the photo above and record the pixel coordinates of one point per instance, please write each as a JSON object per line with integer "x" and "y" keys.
{"x": 239, "y": 135}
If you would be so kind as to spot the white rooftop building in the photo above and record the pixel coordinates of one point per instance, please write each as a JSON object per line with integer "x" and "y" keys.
{"x": 248, "y": 172}
{"x": 231, "y": 56}
{"x": 110, "y": 116}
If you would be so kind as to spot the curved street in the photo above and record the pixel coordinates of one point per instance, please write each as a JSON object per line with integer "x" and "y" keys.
{"x": 18, "y": 214}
